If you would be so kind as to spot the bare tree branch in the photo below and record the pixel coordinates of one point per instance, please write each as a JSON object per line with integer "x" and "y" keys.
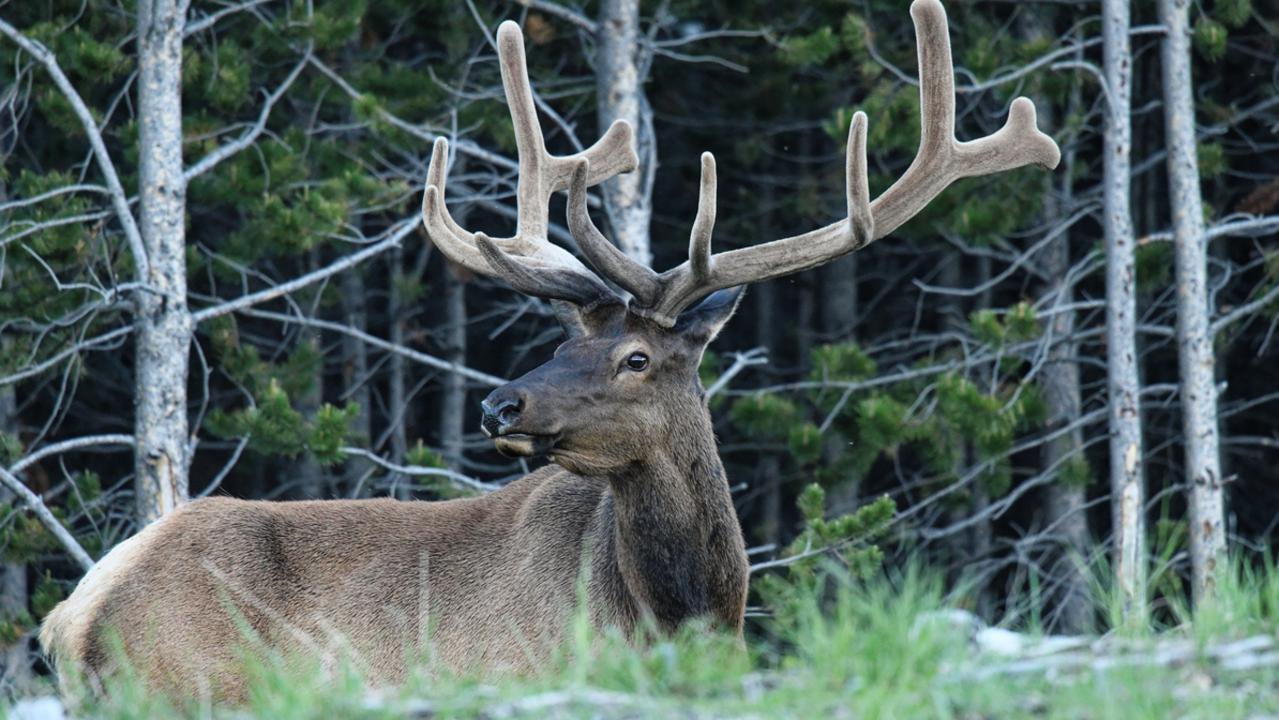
{"x": 208, "y": 21}
{"x": 561, "y": 12}
{"x": 68, "y": 445}
{"x": 208, "y": 162}
{"x": 377, "y": 342}
{"x": 46, "y": 518}
{"x": 118, "y": 198}
{"x": 397, "y": 236}
{"x": 456, "y": 477}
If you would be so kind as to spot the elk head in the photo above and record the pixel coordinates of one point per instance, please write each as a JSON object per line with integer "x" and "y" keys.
{"x": 630, "y": 364}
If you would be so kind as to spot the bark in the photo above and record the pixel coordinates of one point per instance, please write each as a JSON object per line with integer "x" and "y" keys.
{"x": 839, "y": 320}
{"x": 768, "y": 474}
{"x": 15, "y": 661}
{"x": 308, "y": 475}
{"x": 1064, "y": 507}
{"x": 768, "y": 477}
{"x": 397, "y": 378}
{"x": 453, "y": 408}
{"x": 1194, "y": 341}
{"x": 164, "y": 323}
{"x": 1064, "y": 510}
{"x": 355, "y": 367}
{"x": 981, "y": 536}
{"x": 1127, "y": 494}
{"x": 839, "y": 299}
{"x": 620, "y": 92}
{"x": 804, "y": 326}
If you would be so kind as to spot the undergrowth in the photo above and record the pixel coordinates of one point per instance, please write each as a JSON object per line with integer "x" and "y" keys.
{"x": 841, "y": 648}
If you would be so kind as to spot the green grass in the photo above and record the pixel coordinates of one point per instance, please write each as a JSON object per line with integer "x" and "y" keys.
{"x": 843, "y": 648}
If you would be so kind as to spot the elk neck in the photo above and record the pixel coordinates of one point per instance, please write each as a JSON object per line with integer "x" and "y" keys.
{"x": 676, "y": 538}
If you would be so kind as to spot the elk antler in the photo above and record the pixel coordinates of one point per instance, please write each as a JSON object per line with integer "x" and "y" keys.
{"x": 940, "y": 161}
{"x": 528, "y": 261}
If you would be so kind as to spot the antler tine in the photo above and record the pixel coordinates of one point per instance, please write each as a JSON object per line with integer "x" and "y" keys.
{"x": 633, "y": 277}
{"x": 447, "y": 235}
{"x": 529, "y": 143}
{"x": 551, "y": 282}
{"x": 861, "y": 220}
{"x": 941, "y": 160}
{"x": 699, "y": 241}
{"x": 540, "y": 175}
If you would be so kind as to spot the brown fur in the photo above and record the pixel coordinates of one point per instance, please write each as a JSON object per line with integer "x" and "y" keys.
{"x": 489, "y": 582}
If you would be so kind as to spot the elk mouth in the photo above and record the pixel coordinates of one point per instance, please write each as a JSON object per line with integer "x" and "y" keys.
{"x": 518, "y": 444}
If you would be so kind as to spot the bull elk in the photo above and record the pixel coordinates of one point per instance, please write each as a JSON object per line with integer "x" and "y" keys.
{"x": 635, "y": 504}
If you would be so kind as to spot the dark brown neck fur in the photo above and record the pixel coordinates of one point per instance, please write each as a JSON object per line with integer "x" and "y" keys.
{"x": 676, "y": 539}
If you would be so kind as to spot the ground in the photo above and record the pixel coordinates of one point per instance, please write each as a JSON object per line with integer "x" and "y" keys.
{"x": 896, "y": 646}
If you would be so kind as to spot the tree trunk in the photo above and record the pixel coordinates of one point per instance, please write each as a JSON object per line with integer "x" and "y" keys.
{"x": 1064, "y": 510}
{"x": 839, "y": 318}
{"x": 981, "y": 535}
{"x": 453, "y": 408}
{"x": 1127, "y": 489}
{"x": 839, "y": 298}
{"x": 620, "y": 92}
{"x": 355, "y": 369}
{"x": 768, "y": 474}
{"x": 164, "y": 323}
{"x": 1194, "y": 340}
{"x": 1064, "y": 505}
{"x": 15, "y": 661}
{"x": 397, "y": 379}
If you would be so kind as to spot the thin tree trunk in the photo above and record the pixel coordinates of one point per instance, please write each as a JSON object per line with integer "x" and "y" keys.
{"x": 398, "y": 377}
{"x": 981, "y": 536}
{"x": 620, "y": 92}
{"x": 308, "y": 476}
{"x": 768, "y": 474}
{"x": 15, "y": 661}
{"x": 453, "y": 409}
{"x": 839, "y": 317}
{"x": 355, "y": 368}
{"x": 839, "y": 298}
{"x": 1064, "y": 505}
{"x": 1064, "y": 509}
{"x": 164, "y": 323}
{"x": 1194, "y": 340}
{"x": 1127, "y": 489}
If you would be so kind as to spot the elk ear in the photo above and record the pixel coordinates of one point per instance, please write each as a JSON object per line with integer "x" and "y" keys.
{"x": 569, "y": 318}
{"x": 577, "y": 322}
{"x": 702, "y": 322}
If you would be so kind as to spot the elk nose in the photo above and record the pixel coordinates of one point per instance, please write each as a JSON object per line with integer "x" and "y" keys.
{"x": 501, "y": 411}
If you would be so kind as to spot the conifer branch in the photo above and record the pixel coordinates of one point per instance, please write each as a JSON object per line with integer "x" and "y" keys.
{"x": 46, "y": 518}
{"x": 208, "y": 162}
{"x": 119, "y": 200}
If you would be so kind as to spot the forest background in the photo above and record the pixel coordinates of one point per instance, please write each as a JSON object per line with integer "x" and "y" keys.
{"x": 1006, "y": 370}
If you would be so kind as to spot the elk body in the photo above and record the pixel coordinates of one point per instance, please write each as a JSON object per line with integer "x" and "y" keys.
{"x": 633, "y": 517}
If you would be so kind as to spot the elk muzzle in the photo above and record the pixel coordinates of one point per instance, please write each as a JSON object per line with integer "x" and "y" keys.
{"x": 502, "y": 410}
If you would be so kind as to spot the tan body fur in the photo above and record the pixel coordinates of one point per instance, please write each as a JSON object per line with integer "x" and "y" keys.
{"x": 502, "y": 574}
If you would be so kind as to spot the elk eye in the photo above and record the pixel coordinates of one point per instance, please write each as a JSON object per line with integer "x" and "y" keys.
{"x": 637, "y": 362}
